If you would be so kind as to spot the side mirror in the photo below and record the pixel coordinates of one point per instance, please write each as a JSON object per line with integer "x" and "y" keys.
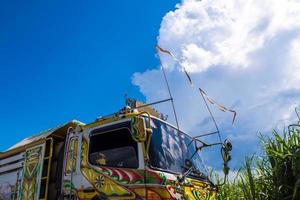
{"x": 138, "y": 129}
{"x": 225, "y": 152}
{"x": 227, "y": 145}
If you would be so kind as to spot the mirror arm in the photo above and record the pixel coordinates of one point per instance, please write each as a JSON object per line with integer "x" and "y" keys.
{"x": 207, "y": 134}
{"x": 208, "y": 145}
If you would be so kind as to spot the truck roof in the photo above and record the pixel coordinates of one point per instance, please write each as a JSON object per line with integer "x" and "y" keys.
{"x": 45, "y": 134}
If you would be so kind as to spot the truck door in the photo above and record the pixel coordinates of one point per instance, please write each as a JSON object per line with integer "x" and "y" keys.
{"x": 115, "y": 163}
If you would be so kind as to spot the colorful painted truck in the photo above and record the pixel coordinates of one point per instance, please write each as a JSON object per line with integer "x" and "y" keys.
{"x": 132, "y": 154}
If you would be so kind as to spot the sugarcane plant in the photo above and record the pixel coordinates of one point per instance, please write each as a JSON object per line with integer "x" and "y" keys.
{"x": 274, "y": 175}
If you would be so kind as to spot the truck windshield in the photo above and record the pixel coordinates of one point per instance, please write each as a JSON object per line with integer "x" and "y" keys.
{"x": 169, "y": 150}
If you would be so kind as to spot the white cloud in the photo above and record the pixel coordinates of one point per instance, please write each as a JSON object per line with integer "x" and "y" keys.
{"x": 245, "y": 54}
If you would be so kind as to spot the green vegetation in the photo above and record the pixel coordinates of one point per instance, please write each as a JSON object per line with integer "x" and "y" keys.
{"x": 273, "y": 176}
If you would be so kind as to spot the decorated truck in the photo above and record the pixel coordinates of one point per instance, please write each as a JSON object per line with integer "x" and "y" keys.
{"x": 132, "y": 154}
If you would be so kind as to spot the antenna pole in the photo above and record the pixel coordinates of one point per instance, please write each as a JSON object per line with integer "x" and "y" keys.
{"x": 171, "y": 97}
{"x": 169, "y": 91}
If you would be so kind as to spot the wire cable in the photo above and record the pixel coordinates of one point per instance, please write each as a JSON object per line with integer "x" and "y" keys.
{"x": 211, "y": 115}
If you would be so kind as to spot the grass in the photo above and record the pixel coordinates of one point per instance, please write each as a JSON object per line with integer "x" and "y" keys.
{"x": 273, "y": 176}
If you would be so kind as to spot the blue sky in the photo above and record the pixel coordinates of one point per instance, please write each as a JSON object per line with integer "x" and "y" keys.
{"x": 63, "y": 60}
{"x": 73, "y": 60}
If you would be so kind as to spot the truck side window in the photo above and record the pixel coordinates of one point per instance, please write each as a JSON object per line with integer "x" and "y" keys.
{"x": 113, "y": 148}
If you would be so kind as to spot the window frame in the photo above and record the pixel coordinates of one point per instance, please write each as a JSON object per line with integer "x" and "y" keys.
{"x": 119, "y": 125}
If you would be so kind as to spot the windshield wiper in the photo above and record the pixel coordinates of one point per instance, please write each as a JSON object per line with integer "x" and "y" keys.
{"x": 197, "y": 173}
{"x": 191, "y": 170}
{"x": 184, "y": 175}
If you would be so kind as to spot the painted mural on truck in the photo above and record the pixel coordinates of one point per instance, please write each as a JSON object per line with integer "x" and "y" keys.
{"x": 71, "y": 157}
{"x": 124, "y": 184}
{"x": 32, "y": 171}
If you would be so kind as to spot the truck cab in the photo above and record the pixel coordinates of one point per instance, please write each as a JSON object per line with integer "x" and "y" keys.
{"x": 132, "y": 154}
